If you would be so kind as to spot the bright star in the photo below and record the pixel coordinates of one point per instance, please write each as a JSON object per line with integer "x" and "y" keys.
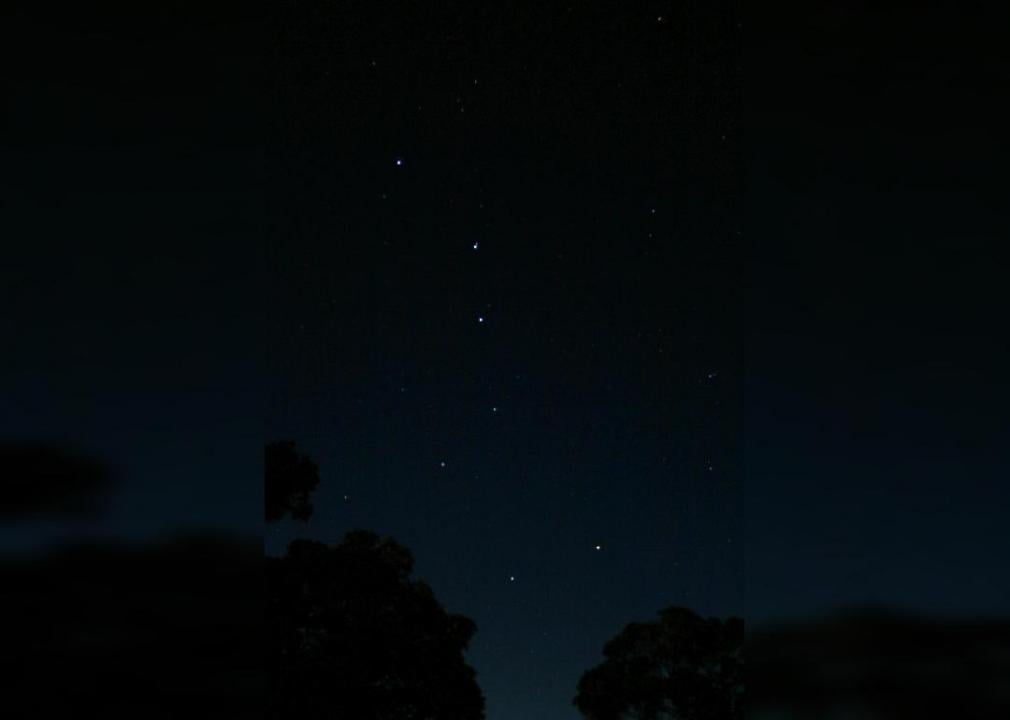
{"x": 480, "y": 318}
{"x": 399, "y": 162}
{"x": 476, "y": 245}
{"x": 599, "y": 547}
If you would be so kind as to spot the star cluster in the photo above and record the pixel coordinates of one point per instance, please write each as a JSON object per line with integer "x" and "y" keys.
{"x": 517, "y": 294}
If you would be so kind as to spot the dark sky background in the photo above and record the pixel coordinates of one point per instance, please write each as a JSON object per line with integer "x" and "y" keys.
{"x": 506, "y": 304}
{"x": 131, "y": 180}
{"x": 876, "y": 391}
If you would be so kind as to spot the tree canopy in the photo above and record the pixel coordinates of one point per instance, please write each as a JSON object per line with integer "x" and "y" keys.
{"x": 882, "y": 663}
{"x": 41, "y": 480}
{"x": 351, "y": 635}
{"x": 290, "y": 479}
{"x": 109, "y": 630}
{"x": 681, "y": 667}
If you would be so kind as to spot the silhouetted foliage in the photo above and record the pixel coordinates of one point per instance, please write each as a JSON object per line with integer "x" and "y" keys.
{"x": 290, "y": 479}
{"x": 350, "y": 635}
{"x": 39, "y": 479}
{"x": 876, "y": 664}
{"x": 113, "y": 631}
{"x": 681, "y": 667}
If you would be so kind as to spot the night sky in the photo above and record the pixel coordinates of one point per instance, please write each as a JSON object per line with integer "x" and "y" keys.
{"x": 876, "y": 388}
{"x": 352, "y": 187}
{"x": 131, "y": 185}
{"x": 505, "y": 312}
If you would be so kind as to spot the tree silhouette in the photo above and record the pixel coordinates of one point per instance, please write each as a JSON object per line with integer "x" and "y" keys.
{"x": 880, "y": 663}
{"x": 290, "y": 479}
{"x": 351, "y": 635}
{"x": 41, "y": 480}
{"x": 681, "y": 667}
{"x": 104, "y": 629}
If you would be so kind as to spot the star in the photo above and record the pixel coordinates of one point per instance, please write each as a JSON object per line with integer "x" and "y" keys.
{"x": 475, "y": 245}
{"x": 512, "y": 578}
{"x": 399, "y": 162}
{"x": 598, "y": 547}
{"x": 480, "y": 318}
{"x": 442, "y": 464}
